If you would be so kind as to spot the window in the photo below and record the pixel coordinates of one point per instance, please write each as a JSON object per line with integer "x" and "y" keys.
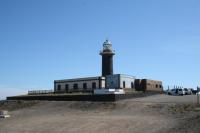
{"x": 59, "y": 87}
{"x": 93, "y": 85}
{"x": 132, "y": 85}
{"x": 156, "y": 86}
{"x": 160, "y": 86}
{"x": 66, "y": 87}
{"x": 124, "y": 84}
{"x": 84, "y": 85}
{"x": 75, "y": 86}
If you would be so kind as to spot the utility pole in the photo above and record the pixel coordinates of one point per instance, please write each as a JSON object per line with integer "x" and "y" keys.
{"x": 198, "y": 95}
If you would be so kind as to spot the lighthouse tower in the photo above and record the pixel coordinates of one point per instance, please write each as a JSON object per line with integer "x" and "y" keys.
{"x": 107, "y": 58}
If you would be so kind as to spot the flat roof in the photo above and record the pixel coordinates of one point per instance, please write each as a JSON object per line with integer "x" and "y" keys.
{"x": 79, "y": 79}
{"x": 124, "y": 75}
{"x": 152, "y": 80}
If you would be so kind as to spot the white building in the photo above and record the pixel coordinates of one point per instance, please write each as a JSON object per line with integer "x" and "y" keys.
{"x": 116, "y": 81}
{"x": 108, "y": 80}
{"x": 120, "y": 81}
{"x": 79, "y": 84}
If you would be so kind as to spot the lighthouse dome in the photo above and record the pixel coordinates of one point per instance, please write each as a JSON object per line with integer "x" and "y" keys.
{"x": 107, "y": 46}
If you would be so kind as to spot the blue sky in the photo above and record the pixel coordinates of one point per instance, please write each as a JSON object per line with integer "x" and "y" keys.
{"x": 44, "y": 40}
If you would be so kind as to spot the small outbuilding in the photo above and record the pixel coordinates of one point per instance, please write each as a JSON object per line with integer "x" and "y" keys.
{"x": 148, "y": 85}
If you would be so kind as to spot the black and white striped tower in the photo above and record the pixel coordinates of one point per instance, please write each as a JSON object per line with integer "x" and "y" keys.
{"x": 107, "y": 58}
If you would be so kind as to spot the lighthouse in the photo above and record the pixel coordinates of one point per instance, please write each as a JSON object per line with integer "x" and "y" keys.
{"x": 107, "y": 58}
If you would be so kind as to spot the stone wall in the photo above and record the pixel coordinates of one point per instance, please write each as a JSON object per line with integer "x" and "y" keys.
{"x": 148, "y": 85}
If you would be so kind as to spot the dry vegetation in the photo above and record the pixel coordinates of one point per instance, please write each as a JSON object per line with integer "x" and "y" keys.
{"x": 15, "y": 105}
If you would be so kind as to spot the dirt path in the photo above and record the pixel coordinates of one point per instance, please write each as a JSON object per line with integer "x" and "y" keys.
{"x": 128, "y": 116}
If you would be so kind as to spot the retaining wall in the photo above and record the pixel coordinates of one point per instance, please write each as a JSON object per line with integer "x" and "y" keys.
{"x": 106, "y": 97}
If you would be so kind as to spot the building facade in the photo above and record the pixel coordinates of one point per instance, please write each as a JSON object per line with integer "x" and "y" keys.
{"x": 148, "y": 85}
{"x": 79, "y": 84}
{"x": 120, "y": 81}
{"x": 116, "y": 81}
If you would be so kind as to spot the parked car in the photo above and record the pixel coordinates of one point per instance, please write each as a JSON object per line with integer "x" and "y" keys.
{"x": 187, "y": 91}
{"x": 171, "y": 92}
{"x": 176, "y": 92}
{"x": 194, "y": 91}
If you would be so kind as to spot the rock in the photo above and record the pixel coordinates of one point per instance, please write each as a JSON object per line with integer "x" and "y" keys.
{"x": 4, "y": 114}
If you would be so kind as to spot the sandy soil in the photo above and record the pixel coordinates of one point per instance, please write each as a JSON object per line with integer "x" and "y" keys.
{"x": 153, "y": 114}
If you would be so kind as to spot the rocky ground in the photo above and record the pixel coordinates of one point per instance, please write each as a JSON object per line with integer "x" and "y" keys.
{"x": 158, "y": 113}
